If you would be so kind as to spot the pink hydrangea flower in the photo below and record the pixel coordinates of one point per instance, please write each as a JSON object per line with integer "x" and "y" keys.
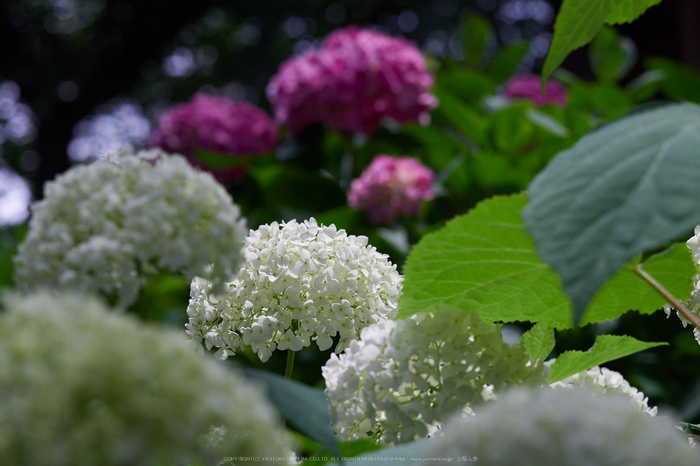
{"x": 218, "y": 125}
{"x": 354, "y": 80}
{"x": 527, "y": 86}
{"x": 391, "y": 186}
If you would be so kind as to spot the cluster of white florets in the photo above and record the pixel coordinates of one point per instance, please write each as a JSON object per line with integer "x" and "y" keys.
{"x": 574, "y": 427}
{"x": 301, "y": 282}
{"x": 692, "y": 303}
{"x": 403, "y": 378}
{"x": 603, "y": 380}
{"x": 102, "y": 226}
{"x": 82, "y": 385}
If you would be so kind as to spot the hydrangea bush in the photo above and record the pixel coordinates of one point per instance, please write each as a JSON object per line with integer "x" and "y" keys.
{"x": 85, "y": 386}
{"x": 536, "y": 427}
{"x": 101, "y": 227}
{"x": 218, "y": 125}
{"x": 353, "y": 81}
{"x": 300, "y": 282}
{"x": 391, "y": 186}
{"x": 403, "y": 378}
{"x": 590, "y": 231}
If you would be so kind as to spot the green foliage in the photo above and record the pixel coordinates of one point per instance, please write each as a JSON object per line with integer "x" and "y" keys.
{"x": 626, "y": 188}
{"x": 606, "y": 348}
{"x": 538, "y": 342}
{"x": 305, "y": 408}
{"x": 677, "y": 81}
{"x": 476, "y": 35}
{"x": 579, "y": 21}
{"x": 673, "y": 268}
{"x": 506, "y": 61}
{"x": 611, "y": 56}
{"x": 484, "y": 261}
{"x": 10, "y": 237}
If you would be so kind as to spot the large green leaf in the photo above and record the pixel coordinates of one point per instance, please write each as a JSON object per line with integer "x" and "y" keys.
{"x": 305, "y": 408}
{"x": 485, "y": 261}
{"x": 606, "y": 348}
{"x": 674, "y": 268}
{"x": 579, "y": 21}
{"x": 626, "y": 188}
{"x": 625, "y": 11}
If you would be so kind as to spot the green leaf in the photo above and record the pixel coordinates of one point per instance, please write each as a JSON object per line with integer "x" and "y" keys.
{"x": 466, "y": 84}
{"x": 611, "y": 56}
{"x": 305, "y": 408}
{"x": 288, "y": 186}
{"x": 510, "y": 131}
{"x": 506, "y": 62}
{"x": 547, "y": 122}
{"x": 625, "y": 11}
{"x": 576, "y": 25}
{"x": 538, "y": 342}
{"x": 579, "y": 21}
{"x": 679, "y": 82}
{"x": 476, "y": 33}
{"x": 646, "y": 85}
{"x": 10, "y": 238}
{"x": 673, "y": 268}
{"x": 484, "y": 261}
{"x": 464, "y": 118}
{"x": 606, "y": 348}
{"x": 628, "y": 187}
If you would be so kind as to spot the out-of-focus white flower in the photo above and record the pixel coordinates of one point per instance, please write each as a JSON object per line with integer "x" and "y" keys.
{"x": 102, "y": 226}
{"x": 604, "y": 380}
{"x": 300, "y": 282}
{"x": 84, "y": 386}
{"x": 577, "y": 427}
{"x": 402, "y": 379}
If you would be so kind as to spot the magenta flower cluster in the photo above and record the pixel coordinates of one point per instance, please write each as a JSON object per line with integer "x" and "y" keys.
{"x": 218, "y": 125}
{"x": 527, "y": 86}
{"x": 391, "y": 186}
{"x": 357, "y": 78}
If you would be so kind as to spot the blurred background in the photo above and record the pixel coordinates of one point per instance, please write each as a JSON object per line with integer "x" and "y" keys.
{"x": 81, "y": 78}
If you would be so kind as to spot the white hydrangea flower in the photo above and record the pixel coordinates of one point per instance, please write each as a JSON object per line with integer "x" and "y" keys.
{"x": 692, "y": 303}
{"x": 577, "y": 427}
{"x": 101, "y": 226}
{"x": 604, "y": 380}
{"x": 403, "y": 378}
{"x": 300, "y": 282}
{"x": 85, "y": 386}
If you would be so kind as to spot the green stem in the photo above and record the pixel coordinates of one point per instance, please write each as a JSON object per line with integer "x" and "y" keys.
{"x": 671, "y": 299}
{"x": 290, "y": 364}
{"x": 288, "y": 375}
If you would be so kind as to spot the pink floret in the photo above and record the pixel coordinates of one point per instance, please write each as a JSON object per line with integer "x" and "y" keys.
{"x": 391, "y": 186}
{"x": 218, "y": 125}
{"x": 527, "y": 86}
{"x": 352, "y": 82}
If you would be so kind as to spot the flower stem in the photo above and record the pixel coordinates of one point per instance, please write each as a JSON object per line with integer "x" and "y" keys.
{"x": 671, "y": 299}
{"x": 288, "y": 375}
{"x": 290, "y": 364}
